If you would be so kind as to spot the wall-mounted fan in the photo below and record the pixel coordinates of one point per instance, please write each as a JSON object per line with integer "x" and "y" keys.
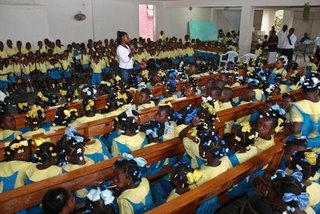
{"x": 80, "y": 16}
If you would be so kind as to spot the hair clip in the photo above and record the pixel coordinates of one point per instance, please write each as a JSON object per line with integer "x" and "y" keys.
{"x": 141, "y": 162}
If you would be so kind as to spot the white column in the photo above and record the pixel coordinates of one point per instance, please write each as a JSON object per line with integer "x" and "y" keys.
{"x": 288, "y": 18}
{"x": 246, "y": 26}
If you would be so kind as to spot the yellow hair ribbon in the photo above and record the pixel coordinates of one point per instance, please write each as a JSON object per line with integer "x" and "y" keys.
{"x": 75, "y": 111}
{"x": 23, "y": 143}
{"x": 89, "y": 105}
{"x": 123, "y": 96}
{"x": 106, "y": 83}
{"x": 117, "y": 78}
{"x": 145, "y": 74}
{"x": 209, "y": 107}
{"x": 63, "y": 92}
{"x": 245, "y": 127}
{"x": 38, "y": 142}
{"x": 311, "y": 157}
{"x": 42, "y": 97}
{"x": 279, "y": 128}
{"x": 33, "y": 112}
{"x": 67, "y": 113}
{"x": 76, "y": 93}
{"x": 193, "y": 177}
{"x": 22, "y": 105}
{"x": 237, "y": 138}
{"x": 316, "y": 150}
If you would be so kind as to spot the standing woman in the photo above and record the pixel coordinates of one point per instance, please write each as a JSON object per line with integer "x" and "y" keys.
{"x": 125, "y": 55}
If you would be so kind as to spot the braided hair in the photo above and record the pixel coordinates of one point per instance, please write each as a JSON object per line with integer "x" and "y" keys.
{"x": 130, "y": 168}
{"x": 128, "y": 123}
{"x": 186, "y": 115}
{"x": 89, "y": 105}
{"x": 154, "y": 131}
{"x": 283, "y": 184}
{"x": 255, "y": 205}
{"x": 245, "y": 135}
{"x": 55, "y": 200}
{"x": 64, "y": 116}
{"x": 213, "y": 145}
{"x": 182, "y": 175}
{"x": 17, "y": 147}
{"x": 47, "y": 152}
{"x": 35, "y": 117}
{"x": 307, "y": 162}
{"x": 23, "y": 107}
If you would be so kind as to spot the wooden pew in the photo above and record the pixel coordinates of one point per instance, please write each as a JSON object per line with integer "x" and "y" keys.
{"x": 189, "y": 202}
{"x": 32, "y": 194}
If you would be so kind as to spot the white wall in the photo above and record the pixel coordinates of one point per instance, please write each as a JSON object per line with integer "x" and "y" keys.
{"x": 312, "y": 27}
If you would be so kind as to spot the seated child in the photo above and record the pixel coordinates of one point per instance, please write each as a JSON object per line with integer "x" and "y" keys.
{"x": 225, "y": 103}
{"x": 308, "y": 163}
{"x": 184, "y": 178}
{"x": 265, "y": 127}
{"x": 153, "y": 130}
{"x": 47, "y": 160}
{"x": 144, "y": 99}
{"x": 17, "y": 157}
{"x": 58, "y": 200}
{"x": 35, "y": 118}
{"x": 134, "y": 190}
{"x": 64, "y": 116}
{"x": 291, "y": 147}
{"x": 256, "y": 204}
{"x": 278, "y": 72}
{"x": 8, "y": 127}
{"x": 165, "y": 116}
{"x": 131, "y": 138}
{"x": 100, "y": 201}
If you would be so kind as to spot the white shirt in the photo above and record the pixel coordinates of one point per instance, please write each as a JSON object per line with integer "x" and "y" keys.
{"x": 125, "y": 61}
{"x": 287, "y": 45}
{"x": 282, "y": 36}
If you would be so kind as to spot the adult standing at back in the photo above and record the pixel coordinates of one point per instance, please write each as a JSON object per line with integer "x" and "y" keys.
{"x": 282, "y": 35}
{"x": 272, "y": 47}
{"x": 289, "y": 45}
{"x": 125, "y": 55}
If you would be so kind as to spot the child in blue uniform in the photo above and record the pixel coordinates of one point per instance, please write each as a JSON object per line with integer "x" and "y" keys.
{"x": 305, "y": 113}
{"x": 165, "y": 116}
{"x": 134, "y": 190}
{"x": 131, "y": 138}
{"x": 58, "y": 200}
{"x": 308, "y": 163}
{"x": 17, "y": 157}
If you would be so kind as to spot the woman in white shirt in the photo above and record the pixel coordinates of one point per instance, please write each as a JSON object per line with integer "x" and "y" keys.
{"x": 125, "y": 54}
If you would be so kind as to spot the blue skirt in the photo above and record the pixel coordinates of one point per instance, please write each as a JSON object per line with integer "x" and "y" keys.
{"x": 55, "y": 74}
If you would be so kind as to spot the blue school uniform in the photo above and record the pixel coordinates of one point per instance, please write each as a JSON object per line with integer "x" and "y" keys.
{"x": 96, "y": 152}
{"x": 127, "y": 144}
{"x": 107, "y": 140}
{"x": 137, "y": 200}
{"x": 12, "y": 174}
{"x": 308, "y": 114}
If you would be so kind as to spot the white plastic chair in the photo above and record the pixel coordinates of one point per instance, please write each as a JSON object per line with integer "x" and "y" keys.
{"x": 247, "y": 57}
{"x": 229, "y": 56}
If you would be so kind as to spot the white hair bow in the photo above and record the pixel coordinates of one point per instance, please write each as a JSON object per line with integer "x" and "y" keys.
{"x": 97, "y": 194}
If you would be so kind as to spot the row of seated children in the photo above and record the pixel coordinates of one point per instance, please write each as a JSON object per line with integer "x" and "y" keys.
{"x": 271, "y": 124}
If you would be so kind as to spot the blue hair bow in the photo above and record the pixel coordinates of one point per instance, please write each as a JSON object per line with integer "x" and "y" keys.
{"x": 70, "y": 134}
{"x": 141, "y": 162}
{"x": 190, "y": 116}
{"x": 276, "y": 107}
{"x": 302, "y": 199}
{"x": 296, "y": 175}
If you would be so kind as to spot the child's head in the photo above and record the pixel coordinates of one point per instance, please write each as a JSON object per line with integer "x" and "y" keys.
{"x": 144, "y": 96}
{"x": 18, "y": 149}
{"x": 154, "y": 131}
{"x": 164, "y": 114}
{"x": 279, "y": 63}
{"x": 58, "y": 200}
{"x": 100, "y": 201}
{"x": 35, "y": 117}
{"x": 64, "y": 116}
{"x": 307, "y": 162}
{"x": 127, "y": 172}
{"x": 287, "y": 192}
{"x": 193, "y": 68}
{"x": 46, "y": 153}
{"x": 128, "y": 122}
{"x": 245, "y": 135}
{"x": 188, "y": 90}
{"x": 266, "y": 126}
{"x": 226, "y": 94}
{"x": 271, "y": 90}
{"x": 293, "y": 146}
{"x": 215, "y": 93}
{"x": 89, "y": 105}
{"x": 182, "y": 175}
{"x": 309, "y": 85}
{"x": 248, "y": 95}
{"x": 7, "y": 121}
{"x": 212, "y": 148}
{"x": 286, "y": 101}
